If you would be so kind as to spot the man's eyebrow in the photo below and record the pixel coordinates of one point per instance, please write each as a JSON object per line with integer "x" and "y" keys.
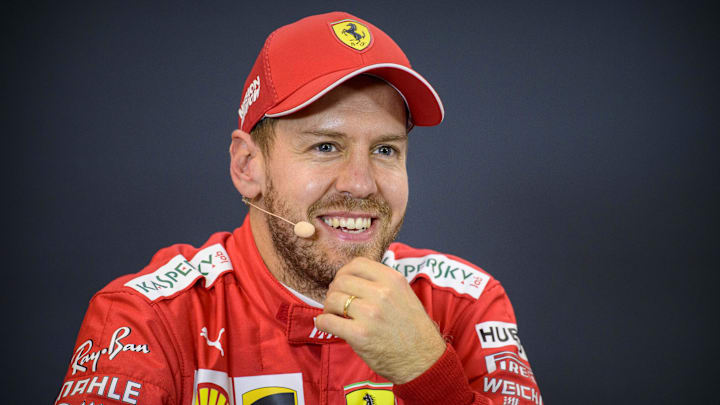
{"x": 321, "y": 133}
{"x": 394, "y": 138}
{"x": 333, "y": 134}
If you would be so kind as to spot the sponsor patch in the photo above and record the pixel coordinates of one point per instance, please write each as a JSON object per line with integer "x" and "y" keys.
{"x": 104, "y": 386}
{"x": 211, "y": 394}
{"x": 508, "y": 362}
{"x": 208, "y": 382}
{"x": 316, "y": 333}
{"x": 270, "y": 396}
{"x": 441, "y": 270}
{"x": 506, "y": 387}
{"x": 493, "y": 334}
{"x": 369, "y": 393}
{"x": 270, "y": 389}
{"x": 216, "y": 343}
{"x": 84, "y": 357}
{"x": 352, "y": 33}
{"x": 179, "y": 273}
{"x": 300, "y": 326}
{"x": 251, "y": 95}
{"x": 276, "y": 389}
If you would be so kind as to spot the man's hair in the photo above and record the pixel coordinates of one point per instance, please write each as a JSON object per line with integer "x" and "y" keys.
{"x": 263, "y": 134}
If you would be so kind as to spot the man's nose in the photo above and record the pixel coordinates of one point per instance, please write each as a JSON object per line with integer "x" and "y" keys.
{"x": 356, "y": 176}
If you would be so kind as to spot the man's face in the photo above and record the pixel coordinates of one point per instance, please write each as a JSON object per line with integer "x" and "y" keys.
{"x": 339, "y": 164}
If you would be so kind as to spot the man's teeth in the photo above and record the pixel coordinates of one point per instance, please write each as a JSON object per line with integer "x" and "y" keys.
{"x": 357, "y": 224}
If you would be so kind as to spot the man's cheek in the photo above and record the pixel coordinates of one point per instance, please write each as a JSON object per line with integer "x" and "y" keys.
{"x": 314, "y": 183}
{"x": 396, "y": 193}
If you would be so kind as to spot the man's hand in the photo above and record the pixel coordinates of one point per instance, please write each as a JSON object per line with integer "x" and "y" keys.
{"x": 387, "y": 325}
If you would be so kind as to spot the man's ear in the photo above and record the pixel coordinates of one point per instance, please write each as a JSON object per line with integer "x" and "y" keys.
{"x": 247, "y": 165}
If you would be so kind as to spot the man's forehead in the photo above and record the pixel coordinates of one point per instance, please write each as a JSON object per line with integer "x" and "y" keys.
{"x": 365, "y": 98}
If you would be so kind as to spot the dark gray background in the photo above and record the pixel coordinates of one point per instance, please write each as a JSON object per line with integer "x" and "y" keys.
{"x": 577, "y": 164}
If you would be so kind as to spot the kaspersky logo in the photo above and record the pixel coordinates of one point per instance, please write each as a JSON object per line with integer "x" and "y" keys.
{"x": 441, "y": 271}
{"x": 353, "y": 34}
{"x": 179, "y": 273}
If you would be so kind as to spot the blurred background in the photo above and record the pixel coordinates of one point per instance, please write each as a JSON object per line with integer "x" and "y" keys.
{"x": 577, "y": 164}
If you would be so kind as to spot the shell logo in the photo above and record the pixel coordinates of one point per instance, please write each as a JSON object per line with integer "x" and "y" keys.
{"x": 211, "y": 394}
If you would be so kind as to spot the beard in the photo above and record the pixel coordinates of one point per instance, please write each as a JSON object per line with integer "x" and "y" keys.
{"x": 308, "y": 265}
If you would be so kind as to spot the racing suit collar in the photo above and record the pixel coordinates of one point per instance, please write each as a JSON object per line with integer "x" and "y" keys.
{"x": 277, "y": 301}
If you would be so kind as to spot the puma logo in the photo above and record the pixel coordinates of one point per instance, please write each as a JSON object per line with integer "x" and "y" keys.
{"x": 216, "y": 344}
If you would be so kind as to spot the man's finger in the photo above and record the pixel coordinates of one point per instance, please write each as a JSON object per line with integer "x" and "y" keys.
{"x": 365, "y": 268}
{"x": 338, "y": 302}
{"x": 353, "y": 285}
{"x": 337, "y": 325}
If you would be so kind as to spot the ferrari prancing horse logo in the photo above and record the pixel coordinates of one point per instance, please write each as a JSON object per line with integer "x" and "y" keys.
{"x": 352, "y": 34}
{"x": 369, "y": 393}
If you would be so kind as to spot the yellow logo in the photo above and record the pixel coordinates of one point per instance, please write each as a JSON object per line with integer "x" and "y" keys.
{"x": 270, "y": 395}
{"x": 211, "y": 394}
{"x": 368, "y": 393}
{"x": 352, "y": 34}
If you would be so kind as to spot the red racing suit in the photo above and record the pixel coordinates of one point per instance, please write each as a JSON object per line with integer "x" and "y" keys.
{"x": 212, "y": 326}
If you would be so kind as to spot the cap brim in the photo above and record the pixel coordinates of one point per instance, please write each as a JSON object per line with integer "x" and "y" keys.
{"x": 422, "y": 100}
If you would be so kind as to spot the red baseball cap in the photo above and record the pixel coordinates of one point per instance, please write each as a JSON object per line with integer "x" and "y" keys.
{"x": 302, "y": 61}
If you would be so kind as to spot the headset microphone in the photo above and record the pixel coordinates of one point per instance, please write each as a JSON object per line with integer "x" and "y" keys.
{"x": 302, "y": 229}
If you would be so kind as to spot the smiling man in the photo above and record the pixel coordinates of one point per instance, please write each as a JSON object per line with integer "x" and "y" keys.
{"x": 265, "y": 315}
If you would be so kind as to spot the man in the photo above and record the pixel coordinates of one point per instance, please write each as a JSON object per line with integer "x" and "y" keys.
{"x": 335, "y": 315}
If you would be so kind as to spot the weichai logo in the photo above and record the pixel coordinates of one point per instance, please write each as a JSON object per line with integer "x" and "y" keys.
{"x": 270, "y": 396}
{"x": 211, "y": 394}
{"x": 369, "y": 393}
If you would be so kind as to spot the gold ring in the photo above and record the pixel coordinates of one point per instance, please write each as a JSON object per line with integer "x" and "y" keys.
{"x": 347, "y": 304}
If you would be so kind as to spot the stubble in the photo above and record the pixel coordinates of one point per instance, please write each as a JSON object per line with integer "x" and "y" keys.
{"x": 307, "y": 266}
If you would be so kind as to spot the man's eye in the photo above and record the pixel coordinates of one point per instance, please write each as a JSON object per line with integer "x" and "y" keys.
{"x": 325, "y": 147}
{"x": 385, "y": 150}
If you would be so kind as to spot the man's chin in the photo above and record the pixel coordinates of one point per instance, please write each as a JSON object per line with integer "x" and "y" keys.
{"x": 341, "y": 257}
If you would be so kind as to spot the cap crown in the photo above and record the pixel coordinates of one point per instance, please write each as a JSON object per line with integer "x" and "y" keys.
{"x": 301, "y": 61}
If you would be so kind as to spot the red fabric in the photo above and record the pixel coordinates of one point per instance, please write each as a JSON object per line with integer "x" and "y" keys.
{"x": 212, "y": 322}
{"x": 443, "y": 383}
{"x": 301, "y": 60}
